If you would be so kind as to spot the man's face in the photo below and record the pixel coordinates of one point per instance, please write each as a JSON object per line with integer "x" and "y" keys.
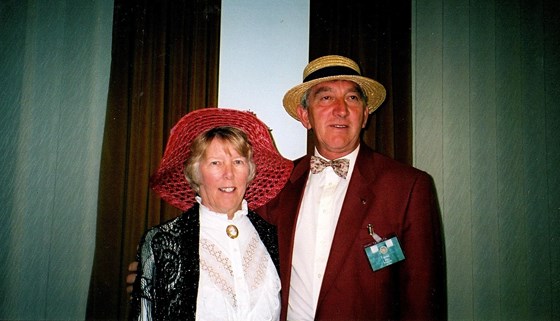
{"x": 337, "y": 113}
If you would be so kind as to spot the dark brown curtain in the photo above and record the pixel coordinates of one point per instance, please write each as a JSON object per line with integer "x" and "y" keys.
{"x": 376, "y": 34}
{"x": 164, "y": 64}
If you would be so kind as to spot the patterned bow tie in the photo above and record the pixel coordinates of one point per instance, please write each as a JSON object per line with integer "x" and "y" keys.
{"x": 340, "y": 166}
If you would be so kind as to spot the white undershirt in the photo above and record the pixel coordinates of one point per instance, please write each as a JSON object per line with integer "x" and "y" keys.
{"x": 316, "y": 224}
{"x": 238, "y": 280}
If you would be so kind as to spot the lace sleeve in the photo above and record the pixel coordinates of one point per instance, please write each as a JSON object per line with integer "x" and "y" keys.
{"x": 168, "y": 271}
{"x": 143, "y": 292}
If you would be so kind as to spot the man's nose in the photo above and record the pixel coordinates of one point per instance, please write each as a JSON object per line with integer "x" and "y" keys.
{"x": 340, "y": 108}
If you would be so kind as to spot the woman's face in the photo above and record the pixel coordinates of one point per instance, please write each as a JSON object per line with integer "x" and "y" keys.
{"x": 224, "y": 176}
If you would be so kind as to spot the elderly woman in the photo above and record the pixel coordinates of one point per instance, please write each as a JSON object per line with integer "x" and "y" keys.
{"x": 218, "y": 260}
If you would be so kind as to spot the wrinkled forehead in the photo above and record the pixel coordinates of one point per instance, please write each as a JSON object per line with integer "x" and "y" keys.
{"x": 330, "y": 85}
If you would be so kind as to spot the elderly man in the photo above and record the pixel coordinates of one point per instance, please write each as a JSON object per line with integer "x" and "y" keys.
{"x": 359, "y": 233}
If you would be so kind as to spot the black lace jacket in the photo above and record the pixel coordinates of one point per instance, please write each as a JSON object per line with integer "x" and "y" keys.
{"x": 174, "y": 245}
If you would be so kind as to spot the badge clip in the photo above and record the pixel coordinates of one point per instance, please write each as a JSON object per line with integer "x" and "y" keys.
{"x": 375, "y": 237}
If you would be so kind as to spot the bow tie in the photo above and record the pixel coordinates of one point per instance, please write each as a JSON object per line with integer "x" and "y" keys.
{"x": 340, "y": 166}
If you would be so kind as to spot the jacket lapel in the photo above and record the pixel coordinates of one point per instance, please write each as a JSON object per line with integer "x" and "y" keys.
{"x": 290, "y": 202}
{"x": 357, "y": 202}
{"x": 286, "y": 208}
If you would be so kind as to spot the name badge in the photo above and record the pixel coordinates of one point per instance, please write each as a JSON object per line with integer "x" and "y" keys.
{"x": 383, "y": 252}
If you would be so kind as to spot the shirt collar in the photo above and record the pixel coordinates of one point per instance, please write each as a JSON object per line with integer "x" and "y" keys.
{"x": 240, "y": 213}
{"x": 351, "y": 157}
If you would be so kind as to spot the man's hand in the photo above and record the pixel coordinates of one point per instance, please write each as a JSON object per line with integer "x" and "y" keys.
{"x": 131, "y": 277}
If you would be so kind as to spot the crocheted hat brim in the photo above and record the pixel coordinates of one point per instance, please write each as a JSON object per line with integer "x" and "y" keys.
{"x": 272, "y": 170}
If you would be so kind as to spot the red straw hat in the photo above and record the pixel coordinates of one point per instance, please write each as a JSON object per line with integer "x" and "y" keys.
{"x": 273, "y": 170}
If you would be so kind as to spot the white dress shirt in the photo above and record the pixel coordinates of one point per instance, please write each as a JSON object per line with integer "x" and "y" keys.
{"x": 238, "y": 280}
{"x": 316, "y": 223}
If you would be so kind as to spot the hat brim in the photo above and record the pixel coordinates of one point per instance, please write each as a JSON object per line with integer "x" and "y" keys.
{"x": 272, "y": 170}
{"x": 374, "y": 91}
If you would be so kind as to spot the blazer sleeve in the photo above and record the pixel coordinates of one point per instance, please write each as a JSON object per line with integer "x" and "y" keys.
{"x": 422, "y": 278}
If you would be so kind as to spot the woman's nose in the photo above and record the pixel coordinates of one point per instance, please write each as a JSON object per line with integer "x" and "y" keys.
{"x": 228, "y": 171}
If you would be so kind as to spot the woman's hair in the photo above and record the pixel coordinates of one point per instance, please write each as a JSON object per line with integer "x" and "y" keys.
{"x": 230, "y": 135}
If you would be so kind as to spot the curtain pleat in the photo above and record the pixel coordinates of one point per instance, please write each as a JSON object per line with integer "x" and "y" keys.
{"x": 164, "y": 64}
{"x": 376, "y": 34}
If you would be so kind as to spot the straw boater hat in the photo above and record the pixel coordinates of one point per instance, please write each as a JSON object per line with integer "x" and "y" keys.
{"x": 272, "y": 170}
{"x": 329, "y": 68}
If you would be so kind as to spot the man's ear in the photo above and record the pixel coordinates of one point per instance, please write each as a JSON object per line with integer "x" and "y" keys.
{"x": 303, "y": 116}
{"x": 366, "y": 117}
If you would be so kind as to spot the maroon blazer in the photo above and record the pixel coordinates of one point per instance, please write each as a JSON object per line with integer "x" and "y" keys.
{"x": 395, "y": 199}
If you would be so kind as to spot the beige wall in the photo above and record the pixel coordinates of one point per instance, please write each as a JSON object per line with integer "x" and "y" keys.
{"x": 486, "y": 78}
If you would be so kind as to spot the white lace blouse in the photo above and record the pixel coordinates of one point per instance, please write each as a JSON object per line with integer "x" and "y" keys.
{"x": 238, "y": 280}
